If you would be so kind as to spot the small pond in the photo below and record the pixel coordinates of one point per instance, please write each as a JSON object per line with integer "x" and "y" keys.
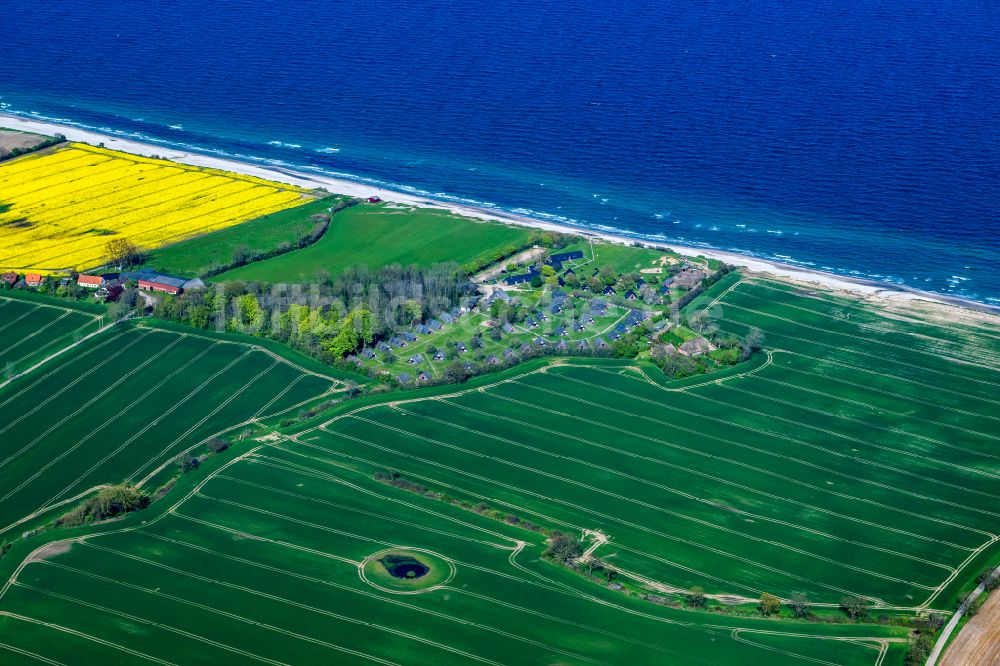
{"x": 403, "y": 566}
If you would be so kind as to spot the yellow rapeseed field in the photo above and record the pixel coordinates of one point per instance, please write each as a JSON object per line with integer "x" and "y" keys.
{"x": 59, "y": 209}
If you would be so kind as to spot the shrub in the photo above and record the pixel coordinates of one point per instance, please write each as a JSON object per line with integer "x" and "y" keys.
{"x": 109, "y": 502}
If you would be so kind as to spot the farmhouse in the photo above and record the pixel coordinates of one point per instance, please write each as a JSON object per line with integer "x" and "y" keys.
{"x": 695, "y": 347}
{"x": 409, "y": 337}
{"x": 423, "y": 330}
{"x": 507, "y": 353}
{"x": 90, "y": 281}
{"x": 439, "y": 356}
{"x": 609, "y": 291}
{"x": 164, "y": 284}
{"x": 416, "y": 358}
{"x": 423, "y": 377}
{"x": 10, "y": 278}
{"x": 33, "y": 280}
{"x": 630, "y": 295}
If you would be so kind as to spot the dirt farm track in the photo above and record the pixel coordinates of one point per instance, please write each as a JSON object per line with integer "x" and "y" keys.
{"x": 978, "y": 644}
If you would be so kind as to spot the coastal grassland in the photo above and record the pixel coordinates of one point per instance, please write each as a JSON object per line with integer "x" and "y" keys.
{"x": 257, "y": 558}
{"x": 196, "y": 256}
{"x": 32, "y": 329}
{"x": 860, "y": 459}
{"x": 383, "y": 234}
{"x": 125, "y": 402}
{"x": 59, "y": 207}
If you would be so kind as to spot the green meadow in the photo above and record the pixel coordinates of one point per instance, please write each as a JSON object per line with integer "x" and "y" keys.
{"x": 379, "y": 235}
{"x": 201, "y": 254}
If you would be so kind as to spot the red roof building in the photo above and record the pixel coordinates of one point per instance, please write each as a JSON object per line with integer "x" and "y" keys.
{"x": 10, "y": 278}
{"x": 90, "y": 281}
{"x": 33, "y": 280}
{"x": 153, "y": 285}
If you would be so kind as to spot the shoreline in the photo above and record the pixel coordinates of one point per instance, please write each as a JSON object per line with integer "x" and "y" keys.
{"x": 863, "y": 287}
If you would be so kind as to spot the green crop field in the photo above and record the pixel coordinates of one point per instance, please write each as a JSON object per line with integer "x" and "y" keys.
{"x": 33, "y": 329}
{"x": 260, "y": 561}
{"x": 855, "y": 456}
{"x": 123, "y": 404}
{"x": 421, "y": 236}
{"x": 196, "y": 256}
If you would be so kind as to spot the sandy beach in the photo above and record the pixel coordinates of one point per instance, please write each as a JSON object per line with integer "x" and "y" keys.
{"x": 864, "y": 288}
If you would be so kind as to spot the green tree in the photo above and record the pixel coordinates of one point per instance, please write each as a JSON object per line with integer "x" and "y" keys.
{"x": 769, "y": 604}
{"x": 856, "y": 608}
{"x": 695, "y": 598}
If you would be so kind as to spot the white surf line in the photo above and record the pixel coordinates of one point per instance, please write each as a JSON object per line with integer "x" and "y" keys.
{"x": 931, "y": 350}
{"x": 881, "y": 391}
{"x": 780, "y": 498}
{"x": 872, "y": 341}
{"x": 205, "y": 418}
{"x": 643, "y": 528}
{"x": 86, "y": 637}
{"x": 880, "y": 373}
{"x": 818, "y": 447}
{"x": 727, "y": 509}
{"x": 159, "y": 625}
{"x": 852, "y": 479}
{"x": 82, "y": 407}
{"x": 111, "y": 420}
{"x": 259, "y": 593}
{"x": 911, "y": 316}
{"x": 624, "y": 498}
{"x": 79, "y": 377}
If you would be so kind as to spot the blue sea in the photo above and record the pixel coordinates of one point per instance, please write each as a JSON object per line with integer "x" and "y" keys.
{"x": 859, "y": 136}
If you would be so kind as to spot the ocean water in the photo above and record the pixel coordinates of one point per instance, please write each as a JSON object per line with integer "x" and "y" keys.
{"x": 856, "y": 136}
